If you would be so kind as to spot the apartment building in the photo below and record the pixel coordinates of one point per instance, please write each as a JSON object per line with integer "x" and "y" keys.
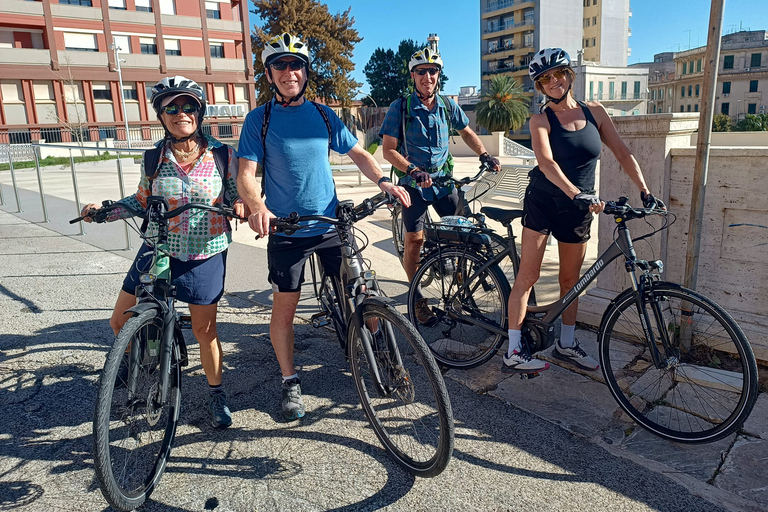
{"x": 511, "y": 31}
{"x": 621, "y": 90}
{"x": 742, "y": 81}
{"x": 63, "y": 62}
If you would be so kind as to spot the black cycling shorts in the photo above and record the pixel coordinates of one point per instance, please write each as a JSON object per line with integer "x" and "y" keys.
{"x": 555, "y": 213}
{"x": 414, "y": 216}
{"x": 286, "y": 256}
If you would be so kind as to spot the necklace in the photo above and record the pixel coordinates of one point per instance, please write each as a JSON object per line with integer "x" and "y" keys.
{"x": 183, "y": 155}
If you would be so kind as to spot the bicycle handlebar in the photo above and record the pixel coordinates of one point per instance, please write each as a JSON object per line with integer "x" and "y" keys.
{"x": 100, "y": 215}
{"x": 444, "y": 180}
{"x": 621, "y": 209}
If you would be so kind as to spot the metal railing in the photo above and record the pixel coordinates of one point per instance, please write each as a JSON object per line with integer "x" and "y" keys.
{"x": 512, "y": 148}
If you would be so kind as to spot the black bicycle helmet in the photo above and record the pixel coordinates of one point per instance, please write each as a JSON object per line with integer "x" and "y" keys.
{"x": 167, "y": 89}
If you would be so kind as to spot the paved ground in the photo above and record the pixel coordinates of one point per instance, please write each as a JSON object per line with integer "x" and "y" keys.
{"x": 553, "y": 443}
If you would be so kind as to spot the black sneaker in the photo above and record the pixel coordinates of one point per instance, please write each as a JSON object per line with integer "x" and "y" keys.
{"x": 221, "y": 417}
{"x": 292, "y": 404}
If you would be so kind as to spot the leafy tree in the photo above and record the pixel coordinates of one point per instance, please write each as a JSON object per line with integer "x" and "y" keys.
{"x": 387, "y": 73}
{"x": 722, "y": 123}
{"x": 502, "y": 105}
{"x": 330, "y": 37}
{"x": 753, "y": 123}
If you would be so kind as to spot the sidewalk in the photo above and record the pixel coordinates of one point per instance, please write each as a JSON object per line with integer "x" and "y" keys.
{"x": 51, "y": 296}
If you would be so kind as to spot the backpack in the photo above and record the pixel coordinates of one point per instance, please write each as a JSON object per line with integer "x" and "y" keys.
{"x": 405, "y": 123}
{"x": 265, "y": 127}
{"x": 153, "y": 156}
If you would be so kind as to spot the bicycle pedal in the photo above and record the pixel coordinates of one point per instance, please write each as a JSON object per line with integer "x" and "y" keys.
{"x": 320, "y": 319}
{"x": 529, "y": 375}
{"x": 185, "y": 321}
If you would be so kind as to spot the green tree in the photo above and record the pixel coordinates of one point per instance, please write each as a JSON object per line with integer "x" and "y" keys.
{"x": 387, "y": 73}
{"x": 330, "y": 37}
{"x": 753, "y": 123}
{"x": 722, "y": 123}
{"x": 502, "y": 105}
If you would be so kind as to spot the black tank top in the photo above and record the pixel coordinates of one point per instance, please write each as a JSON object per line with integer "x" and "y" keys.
{"x": 576, "y": 152}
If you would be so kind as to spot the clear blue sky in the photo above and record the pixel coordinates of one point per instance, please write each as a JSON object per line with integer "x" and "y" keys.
{"x": 657, "y": 26}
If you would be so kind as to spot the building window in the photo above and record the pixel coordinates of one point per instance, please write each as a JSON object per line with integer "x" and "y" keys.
{"x": 117, "y": 4}
{"x": 728, "y": 62}
{"x": 86, "y": 3}
{"x": 586, "y": 22}
{"x": 696, "y": 107}
{"x": 168, "y": 7}
{"x": 591, "y": 90}
{"x": 637, "y": 89}
{"x": 682, "y": 92}
{"x": 101, "y": 91}
{"x": 726, "y": 87}
{"x": 594, "y": 20}
{"x": 753, "y": 86}
{"x": 697, "y": 89}
{"x": 661, "y": 93}
{"x": 148, "y": 45}
{"x": 690, "y": 91}
{"x": 752, "y": 108}
{"x": 594, "y": 41}
{"x": 653, "y": 94}
{"x": 217, "y": 50}
{"x": 123, "y": 43}
{"x": 698, "y": 66}
{"x": 80, "y": 42}
{"x": 148, "y": 91}
{"x": 144, "y": 5}
{"x": 623, "y": 90}
{"x": 599, "y": 91}
{"x": 725, "y": 108}
{"x": 172, "y": 47}
{"x": 755, "y": 60}
{"x": 212, "y": 10}
{"x": 130, "y": 92}
{"x": 682, "y": 108}
{"x": 611, "y": 91}
{"x": 689, "y": 108}
{"x": 685, "y": 68}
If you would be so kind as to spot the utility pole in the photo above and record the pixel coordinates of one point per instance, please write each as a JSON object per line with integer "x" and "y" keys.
{"x": 118, "y": 60}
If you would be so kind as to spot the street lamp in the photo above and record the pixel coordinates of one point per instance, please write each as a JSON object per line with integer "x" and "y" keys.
{"x": 118, "y": 60}
{"x": 373, "y": 100}
{"x": 738, "y": 105}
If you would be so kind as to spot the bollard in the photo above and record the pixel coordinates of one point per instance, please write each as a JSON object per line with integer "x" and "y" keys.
{"x": 13, "y": 179}
{"x": 122, "y": 195}
{"x": 40, "y": 183}
{"x": 77, "y": 192}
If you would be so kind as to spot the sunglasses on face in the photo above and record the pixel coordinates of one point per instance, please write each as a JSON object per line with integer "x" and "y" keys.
{"x": 556, "y": 73}
{"x": 281, "y": 65}
{"x": 424, "y": 71}
{"x": 174, "y": 109}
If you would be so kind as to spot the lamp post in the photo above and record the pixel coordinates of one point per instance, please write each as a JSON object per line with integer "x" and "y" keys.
{"x": 371, "y": 97}
{"x": 738, "y": 105}
{"x": 118, "y": 60}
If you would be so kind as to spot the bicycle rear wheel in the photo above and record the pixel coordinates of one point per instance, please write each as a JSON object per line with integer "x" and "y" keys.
{"x": 408, "y": 405}
{"x": 455, "y": 342}
{"x": 132, "y": 433}
{"x": 704, "y": 392}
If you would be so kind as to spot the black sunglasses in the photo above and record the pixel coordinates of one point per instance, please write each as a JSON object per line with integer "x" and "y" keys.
{"x": 174, "y": 109}
{"x": 424, "y": 71}
{"x": 281, "y": 65}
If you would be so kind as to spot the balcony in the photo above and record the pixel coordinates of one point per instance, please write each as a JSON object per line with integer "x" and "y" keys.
{"x": 228, "y": 65}
{"x": 225, "y": 25}
{"x": 21, "y": 56}
{"x": 183, "y": 63}
{"x": 77, "y": 12}
{"x": 504, "y": 69}
{"x": 142, "y": 18}
{"x": 88, "y": 59}
{"x": 140, "y": 60}
{"x": 503, "y": 4}
{"x": 181, "y": 21}
{"x": 21, "y": 7}
{"x": 627, "y": 97}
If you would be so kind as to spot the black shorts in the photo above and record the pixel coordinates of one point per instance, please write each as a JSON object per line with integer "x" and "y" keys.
{"x": 414, "y": 216}
{"x": 555, "y": 213}
{"x": 286, "y": 256}
{"x": 199, "y": 282}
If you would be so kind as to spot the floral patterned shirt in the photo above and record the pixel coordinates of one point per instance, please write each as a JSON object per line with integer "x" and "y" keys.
{"x": 195, "y": 234}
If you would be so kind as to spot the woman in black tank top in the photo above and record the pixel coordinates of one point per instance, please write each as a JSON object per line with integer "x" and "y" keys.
{"x": 560, "y": 200}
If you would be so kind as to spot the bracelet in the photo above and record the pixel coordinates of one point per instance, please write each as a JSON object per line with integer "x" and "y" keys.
{"x": 383, "y": 179}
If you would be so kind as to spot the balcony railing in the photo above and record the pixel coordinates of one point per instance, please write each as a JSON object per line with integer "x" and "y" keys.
{"x": 504, "y": 69}
{"x": 617, "y": 96}
{"x": 503, "y": 4}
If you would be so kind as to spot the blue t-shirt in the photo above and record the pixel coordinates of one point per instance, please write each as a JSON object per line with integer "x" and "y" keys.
{"x": 427, "y": 136}
{"x": 297, "y": 173}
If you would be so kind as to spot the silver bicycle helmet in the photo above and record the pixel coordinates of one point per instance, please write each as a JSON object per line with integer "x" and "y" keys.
{"x": 285, "y": 45}
{"x": 546, "y": 59}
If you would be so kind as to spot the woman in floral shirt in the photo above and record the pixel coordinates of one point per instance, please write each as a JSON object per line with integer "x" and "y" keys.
{"x": 198, "y": 239}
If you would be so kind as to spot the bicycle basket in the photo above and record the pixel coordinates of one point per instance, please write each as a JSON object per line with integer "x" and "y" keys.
{"x": 455, "y": 229}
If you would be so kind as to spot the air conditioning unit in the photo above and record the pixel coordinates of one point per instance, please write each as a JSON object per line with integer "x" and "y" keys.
{"x": 762, "y": 108}
{"x": 725, "y": 95}
{"x": 746, "y": 69}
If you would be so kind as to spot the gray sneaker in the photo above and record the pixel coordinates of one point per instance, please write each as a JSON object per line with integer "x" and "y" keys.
{"x": 221, "y": 417}
{"x": 292, "y": 404}
{"x": 576, "y": 356}
{"x": 521, "y": 362}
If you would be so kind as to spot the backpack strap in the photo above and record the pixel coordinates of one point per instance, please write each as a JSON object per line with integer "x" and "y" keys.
{"x": 151, "y": 160}
{"x": 221, "y": 159}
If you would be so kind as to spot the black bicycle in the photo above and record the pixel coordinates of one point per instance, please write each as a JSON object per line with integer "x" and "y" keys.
{"x": 139, "y": 397}
{"x": 675, "y": 361}
{"x": 399, "y": 384}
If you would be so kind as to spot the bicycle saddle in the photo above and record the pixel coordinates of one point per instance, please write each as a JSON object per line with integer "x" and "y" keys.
{"x": 501, "y": 214}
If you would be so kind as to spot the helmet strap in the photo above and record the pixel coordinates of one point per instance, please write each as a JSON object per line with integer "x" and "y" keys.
{"x": 557, "y": 101}
{"x": 282, "y": 100}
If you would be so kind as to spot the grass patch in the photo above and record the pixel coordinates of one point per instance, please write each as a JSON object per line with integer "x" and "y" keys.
{"x": 59, "y": 160}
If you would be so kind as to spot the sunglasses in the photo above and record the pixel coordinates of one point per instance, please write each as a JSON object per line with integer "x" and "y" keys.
{"x": 424, "y": 71}
{"x": 556, "y": 73}
{"x": 174, "y": 109}
{"x": 281, "y": 65}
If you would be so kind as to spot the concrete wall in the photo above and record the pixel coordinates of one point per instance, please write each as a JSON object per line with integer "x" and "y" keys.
{"x": 732, "y": 269}
{"x": 735, "y": 139}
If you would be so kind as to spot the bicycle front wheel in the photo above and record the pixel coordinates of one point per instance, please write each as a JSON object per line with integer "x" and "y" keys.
{"x": 331, "y": 305}
{"x": 702, "y": 390}
{"x": 401, "y": 390}
{"x": 454, "y": 341}
{"x": 132, "y": 429}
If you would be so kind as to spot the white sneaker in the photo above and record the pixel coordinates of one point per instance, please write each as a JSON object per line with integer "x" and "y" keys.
{"x": 576, "y": 356}
{"x": 520, "y": 362}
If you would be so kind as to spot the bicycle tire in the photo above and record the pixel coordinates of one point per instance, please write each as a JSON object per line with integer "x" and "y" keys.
{"x": 131, "y": 442}
{"x": 705, "y": 393}
{"x": 398, "y": 238}
{"x": 453, "y": 342}
{"x": 412, "y": 418}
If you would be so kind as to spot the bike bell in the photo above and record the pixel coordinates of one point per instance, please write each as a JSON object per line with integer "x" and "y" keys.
{"x": 454, "y": 222}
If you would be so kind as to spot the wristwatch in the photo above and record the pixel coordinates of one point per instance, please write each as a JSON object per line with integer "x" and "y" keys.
{"x": 410, "y": 169}
{"x": 383, "y": 179}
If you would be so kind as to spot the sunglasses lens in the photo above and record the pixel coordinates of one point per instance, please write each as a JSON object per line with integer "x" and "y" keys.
{"x": 281, "y": 65}
{"x": 431, "y": 71}
{"x": 172, "y": 110}
{"x": 189, "y": 108}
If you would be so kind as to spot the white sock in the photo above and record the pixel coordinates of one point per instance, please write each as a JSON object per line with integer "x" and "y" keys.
{"x": 515, "y": 338}
{"x": 294, "y": 376}
{"x": 566, "y": 336}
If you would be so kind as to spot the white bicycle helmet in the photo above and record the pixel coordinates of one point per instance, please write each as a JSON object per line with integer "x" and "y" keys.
{"x": 283, "y": 45}
{"x": 546, "y": 59}
{"x": 425, "y": 56}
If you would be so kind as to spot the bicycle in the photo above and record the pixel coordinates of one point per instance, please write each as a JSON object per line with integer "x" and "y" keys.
{"x": 137, "y": 409}
{"x": 675, "y": 361}
{"x": 400, "y": 386}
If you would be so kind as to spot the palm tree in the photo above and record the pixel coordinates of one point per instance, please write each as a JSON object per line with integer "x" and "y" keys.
{"x": 502, "y": 106}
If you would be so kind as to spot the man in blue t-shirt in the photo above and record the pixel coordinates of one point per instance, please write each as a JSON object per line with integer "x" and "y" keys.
{"x": 417, "y": 148}
{"x": 296, "y": 178}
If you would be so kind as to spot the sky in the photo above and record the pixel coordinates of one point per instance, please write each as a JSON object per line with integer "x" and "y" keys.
{"x": 657, "y": 26}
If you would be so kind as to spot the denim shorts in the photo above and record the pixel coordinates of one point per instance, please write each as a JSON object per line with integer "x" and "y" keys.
{"x": 199, "y": 282}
